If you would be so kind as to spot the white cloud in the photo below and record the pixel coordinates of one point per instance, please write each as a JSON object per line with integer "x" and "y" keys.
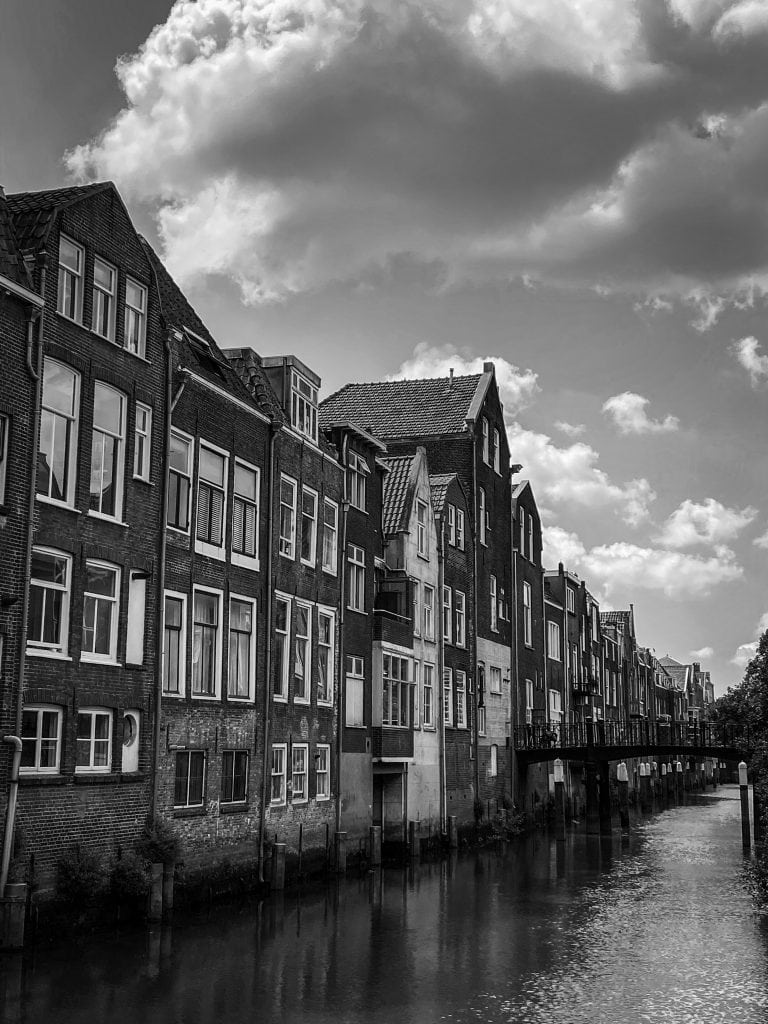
{"x": 761, "y": 541}
{"x": 708, "y": 522}
{"x": 560, "y": 545}
{"x": 750, "y": 17}
{"x": 747, "y": 352}
{"x": 624, "y": 568}
{"x": 746, "y": 652}
{"x": 703, "y": 654}
{"x": 570, "y": 429}
{"x": 627, "y": 411}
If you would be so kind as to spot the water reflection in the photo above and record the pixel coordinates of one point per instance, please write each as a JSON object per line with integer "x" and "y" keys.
{"x": 653, "y": 926}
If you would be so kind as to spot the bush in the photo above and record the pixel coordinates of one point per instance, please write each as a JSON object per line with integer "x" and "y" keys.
{"x": 81, "y": 875}
{"x": 159, "y": 843}
{"x": 128, "y": 879}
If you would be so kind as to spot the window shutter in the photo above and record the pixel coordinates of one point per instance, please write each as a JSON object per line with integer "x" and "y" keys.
{"x": 217, "y": 512}
{"x": 203, "y": 512}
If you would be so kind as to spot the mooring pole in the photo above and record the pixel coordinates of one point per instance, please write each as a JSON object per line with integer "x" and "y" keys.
{"x": 679, "y": 782}
{"x": 744, "y": 790}
{"x": 559, "y": 800}
{"x": 622, "y": 777}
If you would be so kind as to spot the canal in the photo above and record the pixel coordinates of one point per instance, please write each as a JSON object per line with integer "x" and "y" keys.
{"x": 652, "y": 927}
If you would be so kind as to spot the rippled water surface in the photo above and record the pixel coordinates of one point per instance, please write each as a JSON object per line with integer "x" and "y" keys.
{"x": 657, "y": 928}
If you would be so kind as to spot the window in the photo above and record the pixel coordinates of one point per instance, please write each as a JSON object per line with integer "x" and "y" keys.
{"x": 135, "y": 317}
{"x": 486, "y": 442}
{"x": 595, "y": 625}
{"x": 58, "y": 433}
{"x": 330, "y": 535}
{"x": 106, "y": 487}
{"x": 49, "y": 589}
{"x": 299, "y": 754}
{"x": 142, "y": 441}
{"x": 277, "y": 787}
{"x": 104, "y": 292}
{"x": 522, "y": 532}
{"x": 447, "y": 615}
{"x": 395, "y": 692}
{"x": 429, "y": 612}
{"x": 69, "y": 301}
{"x": 211, "y": 500}
{"x": 189, "y": 786}
{"x": 323, "y": 772}
{"x": 494, "y": 603}
{"x": 302, "y": 651}
{"x": 483, "y": 517}
{"x": 496, "y": 451}
{"x": 481, "y": 724}
{"x": 461, "y": 619}
{"x": 448, "y": 696}
{"x": 234, "y": 776}
{"x": 461, "y": 699}
{"x": 355, "y": 714}
{"x": 280, "y": 653}
{"x": 242, "y": 648}
{"x": 174, "y": 644}
{"x": 553, "y": 641}
{"x": 495, "y": 679}
{"x": 245, "y": 512}
{"x": 428, "y": 696}
{"x": 421, "y": 529}
{"x": 415, "y": 692}
{"x": 303, "y": 406}
{"x": 493, "y": 763}
{"x": 452, "y": 525}
{"x": 555, "y": 704}
{"x": 206, "y": 639}
{"x": 40, "y": 740}
{"x": 5, "y": 426}
{"x": 308, "y": 526}
{"x": 287, "y": 517}
{"x": 416, "y": 608}
{"x": 179, "y": 481}
{"x": 136, "y": 618}
{"x": 94, "y": 740}
{"x": 460, "y": 529}
{"x": 531, "y": 555}
{"x": 570, "y": 600}
{"x": 326, "y": 626}
{"x": 100, "y": 611}
{"x": 527, "y": 616}
{"x": 529, "y": 700}
{"x": 356, "y": 578}
{"x": 357, "y": 471}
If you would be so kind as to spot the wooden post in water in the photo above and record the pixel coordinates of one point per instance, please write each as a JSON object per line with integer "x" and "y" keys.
{"x": 622, "y": 777}
{"x": 756, "y": 812}
{"x": 744, "y": 791}
{"x": 605, "y": 798}
{"x": 679, "y": 782}
{"x": 593, "y": 810}
{"x": 559, "y": 800}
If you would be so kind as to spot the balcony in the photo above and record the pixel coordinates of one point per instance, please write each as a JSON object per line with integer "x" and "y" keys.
{"x": 389, "y": 742}
{"x": 392, "y": 628}
{"x": 636, "y": 708}
{"x": 584, "y": 683}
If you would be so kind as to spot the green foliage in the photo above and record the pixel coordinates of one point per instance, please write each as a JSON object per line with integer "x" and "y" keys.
{"x": 159, "y": 843}
{"x": 81, "y": 875}
{"x": 128, "y": 879}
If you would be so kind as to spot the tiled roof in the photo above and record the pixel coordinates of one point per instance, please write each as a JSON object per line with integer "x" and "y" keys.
{"x": 11, "y": 264}
{"x": 247, "y": 365}
{"x": 405, "y": 408}
{"x": 397, "y": 510}
{"x": 438, "y": 485}
{"x": 668, "y": 662}
{"x": 33, "y": 212}
{"x": 612, "y": 618}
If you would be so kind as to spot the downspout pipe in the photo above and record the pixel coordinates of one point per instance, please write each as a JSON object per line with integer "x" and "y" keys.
{"x": 441, "y": 669}
{"x": 340, "y": 566}
{"x": 10, "y": 811}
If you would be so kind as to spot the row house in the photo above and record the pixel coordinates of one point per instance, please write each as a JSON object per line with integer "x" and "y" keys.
{"x": 529, "y": 610}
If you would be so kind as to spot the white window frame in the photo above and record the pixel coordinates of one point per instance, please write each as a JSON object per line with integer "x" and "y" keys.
{"x": 142, "y": 442}
{"x": 135, "y": 315}
{"x": 90, "y": 768}
{"x": 483, "y": 517}
{"x": 422, "y": 549}
{"x": 530, "y": 538}
{"x": 486, "y": 427}
{"x": 175, "y": 595}
{"x": 38, "y": 738}
{"x": 219, "y": 596}
{"x": 303, "y": 406}
{"x": 242, "y": 558}
{"x": 331, "y": 530}
{"x": 553, "y": 641}
{"x": 323, "y": 771}
{"x": 416, "y": 607}
{"x": 452, "y": 525}
{"x": 428, "y": 686}
{"x": 448, "y": 697}
{"x": 287, "y": 518}
{"x": 326, "y": 613}
{"x": 447, "y": 615}
{"x": 73, "y": 275}
{"x": 460, "y": 528}
{"x": 522, "y": 532}
{"x": 493, "y": 761}
{"x": 202, "y": 546}
{"x": 357, "y": 472}
{"x": 307, "y": 638}
{"x": 355, "y": 671}
{"x": 299, "y": 748}
{"x": 102, "y": 296}
{"x": 570, "y": 599}
{"x": 312, "y": 495}
{"x": 251, "y": 689}
{"x": 555, "y": 702}
{"x": 494, "y": 673}
{"x": 497, "y": 450}
{"x": 494, "y": 602}
{"x": 91, "y": 656}
{"x": 280, "y": 749}
{"x": 416, "y": 693}
{"x": 527, "y": 615}
{"x": 58, "y": 649}
{"x": 391, "y": 682}
{"x": 529, "y": 700}
{"x": 70, "y": 432}
{"x": 356, "y": 574}
{"x": 460, "y": 686}
{"x": 460, "y": 612}
{"x": 429, "y": 612}
{"x": 119, "y": 439}
{"x": 285, "y": 643}
{"x": 183, "y": 475}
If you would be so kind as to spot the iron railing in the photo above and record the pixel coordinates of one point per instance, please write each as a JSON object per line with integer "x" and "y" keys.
{"x": 633, "y": 733}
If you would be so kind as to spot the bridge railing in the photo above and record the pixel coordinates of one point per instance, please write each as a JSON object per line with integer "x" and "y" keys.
{"x": 633, "y": 733}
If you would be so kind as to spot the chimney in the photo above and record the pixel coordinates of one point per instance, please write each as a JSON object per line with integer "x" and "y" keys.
{"x": 489, "y": 367}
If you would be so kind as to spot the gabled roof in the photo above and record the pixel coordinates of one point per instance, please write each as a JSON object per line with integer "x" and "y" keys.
{"x": 33, "y": 212}
{"x": 438, "y": 485}
{"x": 397, "y": 507}
{"x": 247, "y": 365}
{"x": 668, "y": 662}
{"x": 11, "y": 264}
{"x": 409, "y": 408}
{"x": 614, "y": 618}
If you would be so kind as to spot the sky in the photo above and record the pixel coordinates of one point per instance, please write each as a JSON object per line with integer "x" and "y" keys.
{"x": 576, "y": 189}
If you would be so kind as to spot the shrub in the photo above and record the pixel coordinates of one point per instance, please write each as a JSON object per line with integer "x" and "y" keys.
{"x": 128, "y": 878}
{"x": 81, "y": 875}
{"x": 159, "y": 843}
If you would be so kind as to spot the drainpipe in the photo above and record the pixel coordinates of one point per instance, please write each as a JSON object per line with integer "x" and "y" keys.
{"x": 340, "y": 563}
{"x": 10, "y": 811}
{"x": 514, "y": 705}
{"x": 440, "y": 668}
{"x": 475, "y": 542}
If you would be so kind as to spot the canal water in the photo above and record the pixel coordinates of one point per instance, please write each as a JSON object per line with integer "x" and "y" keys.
{"x": 652, "y": 927}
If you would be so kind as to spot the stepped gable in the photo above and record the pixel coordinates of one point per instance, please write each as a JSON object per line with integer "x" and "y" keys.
{"x": 33, "y": 213}
{"x": 438, "y": 485}
{"x": 396, "y": 511}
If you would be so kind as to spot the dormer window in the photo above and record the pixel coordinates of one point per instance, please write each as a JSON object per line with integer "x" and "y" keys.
{"x": 303, "y": 406}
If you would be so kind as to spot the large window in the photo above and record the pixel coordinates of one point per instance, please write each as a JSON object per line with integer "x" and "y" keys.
{"x": 494, "y": 681}
{"x": 49, "y": 590}
{"x": 448, "y": 696}
{"x": 40, "y": 740}
{"x": 189, "y": 786}
{"x": 245, "y": 512}
{"x": 104, "y": 297}
{"x": 179, "y": 481}
{"x": 395, "y": 691}
{"x": 494, "y": 600}
{"x": 355, "y": 682}
{"x": 323, "y": 772}
{"x": 69, "y": 301}
{"x": 107, "y": 451}
{"x": 357, "y": 471}
{"x": 553, "y": 641}
{"x": 330, "y": 535}
{"x": 447, "y": 615}
{"x": 277, "y": 774}
{"x": 355, "y": 578}
{"x": 461, "y": 699}
{"x": 325, "y": 656}
{"x": 570, "y": 599}
{"x": 428, "y": 696}
{"x": 135, "y": 317}
{"x": 529, "y": 696}
{"x": 287, "y": 517}
{"x": 308, "y": 552}
{"x": 58, "y": 433}
{"x": 94, "y": 740}
{"x": 303, "y": 406}
{"x": 483, "y": 517}
{"x": 460, "y": 529}
{"x": 421, "y": 529}
{"x": 211, "y": 500}
{"x": 429, "y": 612}
{"x": 242, "y": 648}
{"x": 302, "y": 651}
{"x": 100, "y": 612}
{"x": 174, "y": 644}
{"x": 460, "y": 602}
{"x": 280, "y": 653}
{"x": 527, "y": 615}
{"x": 234, "y": 776}
{"x": 299, "y": 772}
{"x": 496, "y": 450}
{"x": 206, "y": 643}
{"x": 486, "y": 441}
{"x": 142, "y": 442}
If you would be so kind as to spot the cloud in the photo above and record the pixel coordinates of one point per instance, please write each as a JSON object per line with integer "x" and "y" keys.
{"x": 747, "y": 352}
{"x": 746, "y": 652}
{"x": 624, "y": 568}
{"x": 570, "y": 429}
{"x": 560, "y": 545}
{"x": 627, "y": 411}
{"x": 703, "y": 654}
{"x": 761, "y": 541}
{"x": 708, "y": 522}
{"x": 286, "y": 146}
